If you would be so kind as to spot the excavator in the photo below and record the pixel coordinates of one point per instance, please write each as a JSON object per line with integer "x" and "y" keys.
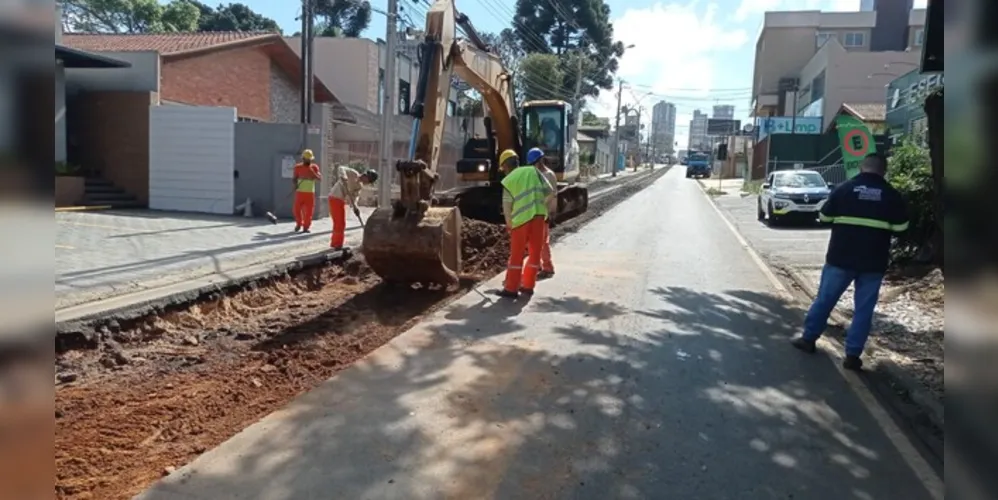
{"x": 417, "y": 240}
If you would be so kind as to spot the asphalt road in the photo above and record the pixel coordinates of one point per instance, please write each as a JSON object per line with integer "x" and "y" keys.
{"x": 794, "y": 244}
{"x": 654, "y": 365}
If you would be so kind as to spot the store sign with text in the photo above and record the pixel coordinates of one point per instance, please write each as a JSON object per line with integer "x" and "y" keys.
{"x": 772, "y": 125}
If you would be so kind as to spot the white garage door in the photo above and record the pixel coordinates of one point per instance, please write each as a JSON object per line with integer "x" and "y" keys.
{"x": 192, "y": 158}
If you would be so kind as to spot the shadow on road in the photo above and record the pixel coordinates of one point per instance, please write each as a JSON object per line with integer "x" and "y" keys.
{"x": 481, "y": 405}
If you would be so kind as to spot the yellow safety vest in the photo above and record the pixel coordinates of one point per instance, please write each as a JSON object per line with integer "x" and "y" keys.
{"x": 529, "y": 191}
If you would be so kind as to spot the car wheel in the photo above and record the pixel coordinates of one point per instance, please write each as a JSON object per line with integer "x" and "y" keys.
{"x": 773, "y": 219}
{"x": 760, "y": 214}
{"x": 706, "y": 176}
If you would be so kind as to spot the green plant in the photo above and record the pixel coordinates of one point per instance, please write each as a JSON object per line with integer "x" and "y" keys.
{"x": 752, "y": 187}
{"x": 910, "y": 172}
{"x": 63, "y": 169}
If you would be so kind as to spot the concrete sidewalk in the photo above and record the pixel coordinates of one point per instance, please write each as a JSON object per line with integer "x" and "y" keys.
{"x": 101, "y": 255}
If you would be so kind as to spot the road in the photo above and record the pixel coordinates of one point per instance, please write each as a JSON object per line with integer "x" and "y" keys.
{"x": 791, "y": 245}
{"x": 654, "y": 365}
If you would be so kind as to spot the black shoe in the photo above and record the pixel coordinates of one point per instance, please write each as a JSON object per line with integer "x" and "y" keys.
{"x": 306, "y": 231}
{"x": 529, "y": 292}
{"x": 804, "y": 344}
{"x": 297, "y": 228}
{"x": 543, "y": 275}
{"x": 852, "y": 363}
{"x": 506, "y": 294}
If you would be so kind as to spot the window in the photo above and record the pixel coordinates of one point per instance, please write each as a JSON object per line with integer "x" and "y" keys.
{"x": 545, "y": 128}
{"x": 824, "y": 37}
{"x": 919, "y": 37}
{"x": 799, "y": 179}
{"x": 856, "y": 39}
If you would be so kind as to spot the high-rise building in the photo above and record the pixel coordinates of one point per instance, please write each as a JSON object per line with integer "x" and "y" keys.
{"x": 663, "y": 127}
{"x": 698, "y": 132}
{"x": 724, "y": 112}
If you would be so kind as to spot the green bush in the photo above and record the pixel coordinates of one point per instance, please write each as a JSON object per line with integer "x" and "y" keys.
{"x": 752, "y": 187}
{"x": 910, "y": 172}
{"x": 63, "y": 169}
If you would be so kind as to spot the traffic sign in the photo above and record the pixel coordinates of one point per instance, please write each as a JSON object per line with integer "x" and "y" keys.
{"x": 857, "y": 142}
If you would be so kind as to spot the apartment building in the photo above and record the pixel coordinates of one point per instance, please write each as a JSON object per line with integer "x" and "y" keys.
{"x": 698, "y": 140}
{"x": 789, "y": 41}
{"x": 724, "y": 112}
{"x": 663, "y": 127}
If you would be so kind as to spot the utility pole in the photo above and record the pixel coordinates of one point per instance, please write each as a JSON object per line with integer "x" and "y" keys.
{"x": 389, "y": 105}
{"x": 793, "y": 117}
{"x": 616, "y": 132}
{"x": 305, "y": 49}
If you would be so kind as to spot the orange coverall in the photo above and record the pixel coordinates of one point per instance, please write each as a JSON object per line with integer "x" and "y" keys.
{"x": 304, "y": 204}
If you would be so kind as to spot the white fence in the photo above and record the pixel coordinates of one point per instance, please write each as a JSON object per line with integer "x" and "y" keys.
{"x": 191, "y": 159}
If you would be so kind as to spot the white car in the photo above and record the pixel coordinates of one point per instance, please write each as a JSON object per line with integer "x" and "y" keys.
{"x": 792, "y": 193}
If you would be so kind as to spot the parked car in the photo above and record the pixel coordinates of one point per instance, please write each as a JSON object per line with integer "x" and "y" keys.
{"x": 792, "y": 193}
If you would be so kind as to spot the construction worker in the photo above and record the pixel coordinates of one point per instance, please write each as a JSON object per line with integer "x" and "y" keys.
{"x": 305, "y": 175}
{"x": 547, "y": 266}
{"x": 508, "y": 161}
{"x": 865, "y": 212}
{"x": 346, "y": 189}
{"x": 524, "y": 205}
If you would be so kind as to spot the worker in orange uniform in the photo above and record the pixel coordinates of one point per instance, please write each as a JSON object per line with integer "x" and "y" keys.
{"x": 524, "y": 205}
{"x": 547, "y": 266}
{"x": 305, "y": 175}
{"x": 348, "y": 183}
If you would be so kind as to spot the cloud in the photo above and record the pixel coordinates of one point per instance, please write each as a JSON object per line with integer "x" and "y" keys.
{"x": 673, "y": 58}
{"x": 751, "y": 7}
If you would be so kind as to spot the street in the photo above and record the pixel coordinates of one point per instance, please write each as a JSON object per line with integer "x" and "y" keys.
{"x": 797, "y": 244}
{"x": 655, "y": 364}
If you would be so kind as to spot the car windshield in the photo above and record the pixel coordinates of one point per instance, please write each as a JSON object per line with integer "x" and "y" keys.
{"x": 799, "y": 180}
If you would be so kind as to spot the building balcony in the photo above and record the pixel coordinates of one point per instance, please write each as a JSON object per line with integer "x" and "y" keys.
{"x": 764, "y": 104}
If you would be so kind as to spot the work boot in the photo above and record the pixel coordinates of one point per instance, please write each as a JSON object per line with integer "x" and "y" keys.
{"x": 543, "y": 275}
{"x": 808, "y": 346}
{"x": 852, "y": 363}
{"x": 506, "y": 294}
{"x": 527, "y": 292}
{"x": 297, "y": 227}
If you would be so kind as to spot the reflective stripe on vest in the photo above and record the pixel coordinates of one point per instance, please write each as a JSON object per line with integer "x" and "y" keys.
{"x": 863, "y": 221}
{"x": 527, "y": 187}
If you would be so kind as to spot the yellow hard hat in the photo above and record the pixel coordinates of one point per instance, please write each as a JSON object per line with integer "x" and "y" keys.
{"x": 505, "y": 155}
{"x": 307, "y": 154}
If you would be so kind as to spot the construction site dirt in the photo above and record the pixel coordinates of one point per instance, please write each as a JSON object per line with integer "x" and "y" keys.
{"x": 145, "y": 398}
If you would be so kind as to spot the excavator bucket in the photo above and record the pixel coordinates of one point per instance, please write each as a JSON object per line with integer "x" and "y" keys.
{"x": 412, "y": 248}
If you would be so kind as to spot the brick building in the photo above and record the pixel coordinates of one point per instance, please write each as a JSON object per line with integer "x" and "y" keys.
{"x": 108, "y": 112}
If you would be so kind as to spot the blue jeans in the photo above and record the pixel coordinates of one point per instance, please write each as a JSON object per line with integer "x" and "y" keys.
{"x": 834, "y": 281}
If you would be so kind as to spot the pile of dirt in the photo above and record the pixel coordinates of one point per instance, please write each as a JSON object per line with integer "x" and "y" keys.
{"x": 484, "y": 248}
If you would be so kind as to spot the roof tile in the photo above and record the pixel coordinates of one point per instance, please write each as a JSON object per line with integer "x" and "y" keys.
{"x": 165, "y": 43}
{"x": 871, "y": 111}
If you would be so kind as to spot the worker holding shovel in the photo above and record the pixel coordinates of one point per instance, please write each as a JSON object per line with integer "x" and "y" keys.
{"x": 346, "y": 189}
{"x": 305, "y": 175}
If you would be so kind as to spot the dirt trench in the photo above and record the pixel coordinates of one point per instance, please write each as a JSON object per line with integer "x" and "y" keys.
{"x": 149, "y": 397}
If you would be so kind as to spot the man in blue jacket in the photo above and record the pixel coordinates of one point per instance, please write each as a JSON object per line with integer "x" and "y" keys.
{"x": 865, "y": 212}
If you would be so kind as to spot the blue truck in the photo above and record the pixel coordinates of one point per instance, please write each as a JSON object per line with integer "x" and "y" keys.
{"x": 697, "y": 165}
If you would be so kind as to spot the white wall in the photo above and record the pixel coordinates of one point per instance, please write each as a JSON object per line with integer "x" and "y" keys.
{"x": 192, "y": 159}
{"x": 142, "y": 76}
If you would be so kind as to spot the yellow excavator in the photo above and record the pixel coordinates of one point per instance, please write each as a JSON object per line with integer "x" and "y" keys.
{"x": 418, "y": 238}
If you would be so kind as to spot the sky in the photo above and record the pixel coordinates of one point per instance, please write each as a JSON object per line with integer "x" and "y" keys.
{"x": 694, "y": 53}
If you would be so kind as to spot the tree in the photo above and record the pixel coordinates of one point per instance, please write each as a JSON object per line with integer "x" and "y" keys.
{"x": 343, "y": 18}
{"x": 506, "y": 47}
{"x": 540, "y": 77}
{"x": 233, "y": 17}
{"x": 579, "y": 32}
{"x": 588, "y": 118}
{"x": 129, "y": 16}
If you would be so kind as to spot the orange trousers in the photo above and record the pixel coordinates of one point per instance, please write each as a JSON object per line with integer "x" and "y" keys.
{"x": 303, "y": 208}
{"x": 526, "y": 238}
{"x": 338, "y": 212}
{"x": 546, "y": 263}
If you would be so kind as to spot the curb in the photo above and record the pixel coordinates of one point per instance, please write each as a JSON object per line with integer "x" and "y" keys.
{"x": 91, "y": 315}
{"x": 84, "y": 208}
{"x": 898, "y": 377}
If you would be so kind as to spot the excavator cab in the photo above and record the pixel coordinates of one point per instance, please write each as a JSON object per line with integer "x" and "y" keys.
{"x": 547, "y": 125}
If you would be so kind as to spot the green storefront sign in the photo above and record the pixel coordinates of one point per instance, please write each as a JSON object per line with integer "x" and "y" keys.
{"x": 904, "y": 98}
{"x": 856, "y": 141}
